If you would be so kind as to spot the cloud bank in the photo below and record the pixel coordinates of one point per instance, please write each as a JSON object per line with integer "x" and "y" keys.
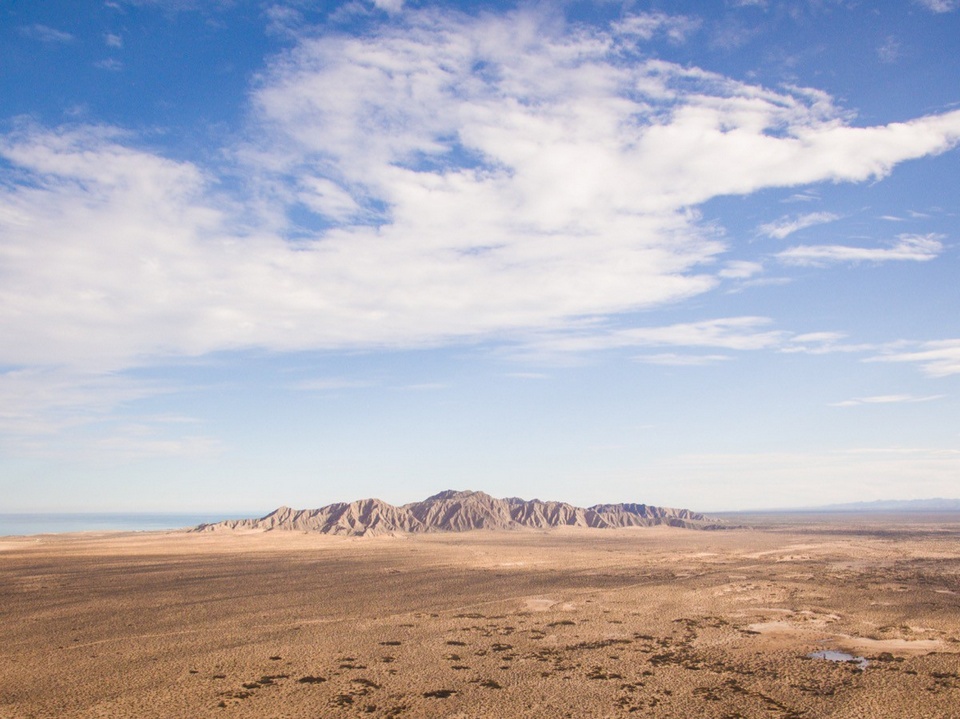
{"x": 447, "y": 178}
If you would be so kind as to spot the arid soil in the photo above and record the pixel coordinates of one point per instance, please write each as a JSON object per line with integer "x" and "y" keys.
{"x": 649, "y": 622}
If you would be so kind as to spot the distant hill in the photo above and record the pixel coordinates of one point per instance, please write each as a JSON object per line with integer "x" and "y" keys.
{"x": 459, "y": 511}
{"x": 892, "y": 505}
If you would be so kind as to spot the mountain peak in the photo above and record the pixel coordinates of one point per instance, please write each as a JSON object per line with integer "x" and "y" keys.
{"x": 449, "y": 494}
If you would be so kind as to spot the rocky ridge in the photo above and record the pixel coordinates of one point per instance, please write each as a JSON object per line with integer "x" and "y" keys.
{"x": 460, "y": 511}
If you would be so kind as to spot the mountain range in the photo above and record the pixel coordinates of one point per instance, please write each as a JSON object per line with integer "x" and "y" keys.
{"x": 460, "y": 511}
{"x": 937, "y": 504}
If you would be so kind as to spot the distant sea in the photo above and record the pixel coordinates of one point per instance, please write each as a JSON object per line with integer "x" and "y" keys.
{"x": 21, "y": 524}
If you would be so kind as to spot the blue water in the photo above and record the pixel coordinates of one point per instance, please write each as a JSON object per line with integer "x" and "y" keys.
{"x": 21, "y": 524}
{"x": 833, "y": 656}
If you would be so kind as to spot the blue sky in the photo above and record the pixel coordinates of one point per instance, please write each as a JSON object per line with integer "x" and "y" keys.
{"x": 690, "y": 254}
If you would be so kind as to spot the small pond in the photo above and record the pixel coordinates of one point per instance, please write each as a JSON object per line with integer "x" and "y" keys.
{"x": 834, "y": 656}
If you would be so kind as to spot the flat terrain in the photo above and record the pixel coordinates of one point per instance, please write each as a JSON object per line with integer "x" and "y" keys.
{"x": 650, "y": 622}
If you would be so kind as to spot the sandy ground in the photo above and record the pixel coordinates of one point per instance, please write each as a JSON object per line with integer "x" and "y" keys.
{"x": 652, "y": 622}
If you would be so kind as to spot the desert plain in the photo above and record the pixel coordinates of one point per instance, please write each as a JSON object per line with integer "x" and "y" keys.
{"x": 645, "y": 622}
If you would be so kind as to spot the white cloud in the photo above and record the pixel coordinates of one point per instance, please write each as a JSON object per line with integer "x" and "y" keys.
{"x": 889, "y": 51}
{"x": 390, "y": 6}
{"x": 473, "y": 177}
{"x": 762, "y": 282}
{"x": 939, "y": 6}
{"x": 915, "y": 248}
{"x": 283, "y": 20}
{"x": 327, "y": 198}
{"x": 46, "y": 34}
{"x": 819, "y": 337}
{"x": 939, "y": 358}
{"x": 681, "y": 360}
{"x": 730, "y": 333}
{"x": 821, "y": 343}
{"x": 111, "y": 64}
{"x": 887, "y": 399}
{"x": 113, "y": 40}
{"x": 77, "y": 416}
{"x": 106, "y": 250}
{"x": 38, "y": 404}
{"x": 643, "y": 26}
{"x": 786, "y": 226}
{"x": 736, "y": 333}
{"x": 740, "y": 270}
{"x": 732, "y": 34}
{"x": 805, "y": 196}
{"x": 733, "y": 333}
{"x": 329, "y": 384}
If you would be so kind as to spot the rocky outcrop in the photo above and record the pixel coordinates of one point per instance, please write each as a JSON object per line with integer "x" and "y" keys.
{"x": 535, "y": 513}
{"x": 460, "y": 511}
{"x": 644, "y": 515}
{"x": 452, "y": 511}
{"x": 365, "y": 517}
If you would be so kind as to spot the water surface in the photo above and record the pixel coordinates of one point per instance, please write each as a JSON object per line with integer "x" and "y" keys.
{"x": 834, "y": 656}
{"x": 51, "y": 523}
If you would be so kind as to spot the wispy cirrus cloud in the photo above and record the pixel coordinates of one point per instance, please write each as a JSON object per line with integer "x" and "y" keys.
{"x": 732, "y": 333}
{"x": 820, "y": 343}
{"x": 111, "y": 64}
{"x": 46, "y": 34}
{"x": 644, "y": 26}
{"x": 740, "y": 270}
{"x": 736, "y": 334}
{"x": 391, "y": 6}
{"x": 44, "y": 401}
{"x": 805, "y": 196}
{"x": 939, "y": 6}
{"x": 283, "y": 20}
{"x": 786, "y": 226}
{"x": 938, "y": 358}
{"x": 889, "y": 51}
{"x": 672, "y": 359}
{"x": 887, "y": 399}
{"x": 910, "y": 248}
{"x": 331, "y": 384}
